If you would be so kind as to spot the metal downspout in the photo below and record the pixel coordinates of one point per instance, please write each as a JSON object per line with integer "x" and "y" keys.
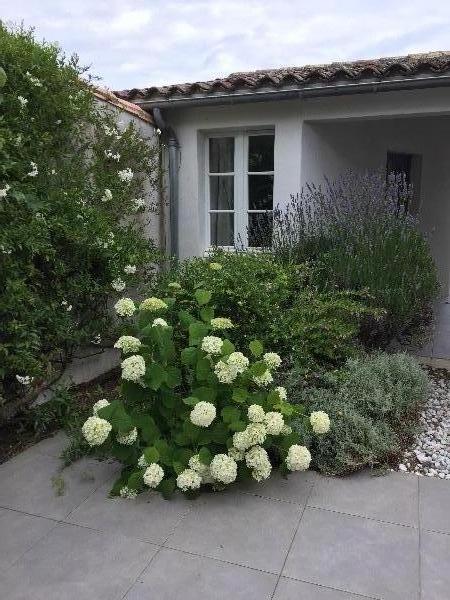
{"x": 169, "y": 136}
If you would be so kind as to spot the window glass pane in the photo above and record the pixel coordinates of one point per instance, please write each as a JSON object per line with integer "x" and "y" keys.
{"x": 260, "y": 153}
{"x": 221, "y": 155}
{"x": 221, "y": 192}
{"x": 259, "y": 230}
{"x": 260, "y": 192}
{"x": 222, "y": 229}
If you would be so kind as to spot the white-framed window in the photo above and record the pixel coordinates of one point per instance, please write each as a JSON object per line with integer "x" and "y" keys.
{"x": 239, "y": 188}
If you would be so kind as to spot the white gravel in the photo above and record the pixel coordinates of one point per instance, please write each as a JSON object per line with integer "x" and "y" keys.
{"x": 430, "y": 455}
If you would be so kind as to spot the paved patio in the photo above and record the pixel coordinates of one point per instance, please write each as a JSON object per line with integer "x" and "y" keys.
{"x": 307, "y": 538}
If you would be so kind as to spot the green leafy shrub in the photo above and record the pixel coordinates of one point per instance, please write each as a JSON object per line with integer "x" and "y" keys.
{"x": 374, "y": 406}
{"x": 276, "y": 303}
{"x": 195, "y": 410}
{"x": 71, "y": 182}
{"x": 360, "y": 234}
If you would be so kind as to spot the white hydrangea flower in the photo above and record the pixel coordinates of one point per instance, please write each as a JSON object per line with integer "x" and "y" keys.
{"x": 125, "y": 307}
{"x": 142, "y": 462}
{"x": 98, "y": 405}
{"x": 4, "y": 191}
{"x": 221, "y": 323}
{"x": 225, "y": 373}
{"x": 159, "y": 323}
{"x": 281, "y": 392}
{"x": 133, "y": 368}
{"x": 236, "y": 454}
{"x": 255, "y": 413}
{"x": 272, "y": 360}
{"x": 128, "y": 493}
{"x": 130, "y": 269}
{"x": 96, "y": 430}
{"x": 241, "y": 441}
{"x": 286, "y": 430}
{"x": 298, "y": 458}
{"x": 118, "y": 285}
{"x": 153, "y": 475}
{"x": 107, "y": 195}
{"x": 239, "y": 361}
{"x": 258, "y": 460}
{"x": 223, "y": 468}
{"x": 274, "y": 423}
{"x": 24, "y": 379}
{"x": 127, "y": 439}
{"x": 203, "y": 470}
{"x": 264, "y": 379}
{"x": 320, "y": 421}
{"x": 125, "y": 175}
{"x": 153, "y": 304}
{"x": 256, "y": 433}
{"x": 174, "y": 285}
{"x": 189, "y": 480}
{"x": 34, "y": 170}
{"x": 212, "y": 344}
{"x": 203, "y": 414}
{"x": 23, "y": 101}
{"x": 215, "y": 266}
{"x": 128, "y": 344}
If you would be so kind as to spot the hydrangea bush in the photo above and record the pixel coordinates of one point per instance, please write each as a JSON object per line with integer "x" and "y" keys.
{"x": 72, "y": 178}
{"x": 195, "y": 410}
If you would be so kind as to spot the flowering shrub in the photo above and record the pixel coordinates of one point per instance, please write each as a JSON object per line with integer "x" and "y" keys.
{"x": 71, "y": 230}
{"x": 195, "y": 411}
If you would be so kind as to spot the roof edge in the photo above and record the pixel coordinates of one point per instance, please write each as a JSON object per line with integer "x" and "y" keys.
{"x": 125, "y": 105}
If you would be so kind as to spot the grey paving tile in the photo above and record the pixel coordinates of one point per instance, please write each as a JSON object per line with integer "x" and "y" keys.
{"x": 289, "y": 589}
{"x": 356, "y": 554}
{"x": 200, "y": 578}
{"x": 391, "y": 497}
{"x": 435, "y": 556}
{"x": 295, "y": 488}
{"x": 240, "y": 528}
{"x": 149, "y": 517}
{"x": 18, "y": 532}
{"x": 53, "y": 445}
{"x": 74, "y": 563}
{"x": 28, "y": 484}
{"x": 434, "y": 504}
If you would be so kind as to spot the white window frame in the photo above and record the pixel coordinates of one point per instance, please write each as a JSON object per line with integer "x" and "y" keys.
{"x": 240, "y": 175}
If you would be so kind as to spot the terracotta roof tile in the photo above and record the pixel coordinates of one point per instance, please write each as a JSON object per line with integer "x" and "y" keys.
{"x": 433, "y": 63}
{"x": 123, "y": 104}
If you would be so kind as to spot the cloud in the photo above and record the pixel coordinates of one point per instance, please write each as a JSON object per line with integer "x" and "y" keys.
{"x": 152, "y": 42}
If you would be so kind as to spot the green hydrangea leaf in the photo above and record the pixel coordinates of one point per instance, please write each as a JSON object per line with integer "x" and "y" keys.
{"x": 202, "y": 296}
{"x": 256, "y": 348}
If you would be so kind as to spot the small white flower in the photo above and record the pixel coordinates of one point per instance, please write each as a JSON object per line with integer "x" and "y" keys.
{"x": 118, "y": 285}
{"x": 125, "y": 175}
{"x": 159, "y": 323}
{"x": 96, "y": 430}
{"x": 127, "y": 493}
{"x": 272, "y": 360}
{"x": 256, "y": 413}
{"x": 34, "y": 170}
{"x": 138, "y": 204}
{"x": 130, "y": 269}
{"x": 23, "y": 101}
{"x": 24, "y": 379}
{"x": 128, "y": 344}
{"x": 34, "y": 80}
{"x": 298, "y": 458}
{"x": 98, "y": 405}
{"x": 281, "y": 392}
{"x": 4, "y": 191}
{"x": 107, "y": 195}
{"x": 264, "y": 379}
{"x": 53, "y": 172}
{"x": 97, "y": 339}
{"x": 112, "y": 156}
{"x": 58, "y": 122}
{"x": 127, "y": 439}
{"x": 66, "y": 305}
{"x": 221, "y": 323}
{"x": 125, "y": 307}
{"x": 223, "y": 468}
{"x": 153, "y": 475}
{"x": 320, "y": 422}
{"x": 274, "y": 423}
{"x": 189, "y": 480}
{"x": 212, "y": 344}
{"x": 133, "y": 367}
{"x": 203, "y": 414}
{"x": 142, "y": 462}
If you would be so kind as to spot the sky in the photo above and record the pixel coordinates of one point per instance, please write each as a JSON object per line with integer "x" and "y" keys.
{"x": 139, "y": 43}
